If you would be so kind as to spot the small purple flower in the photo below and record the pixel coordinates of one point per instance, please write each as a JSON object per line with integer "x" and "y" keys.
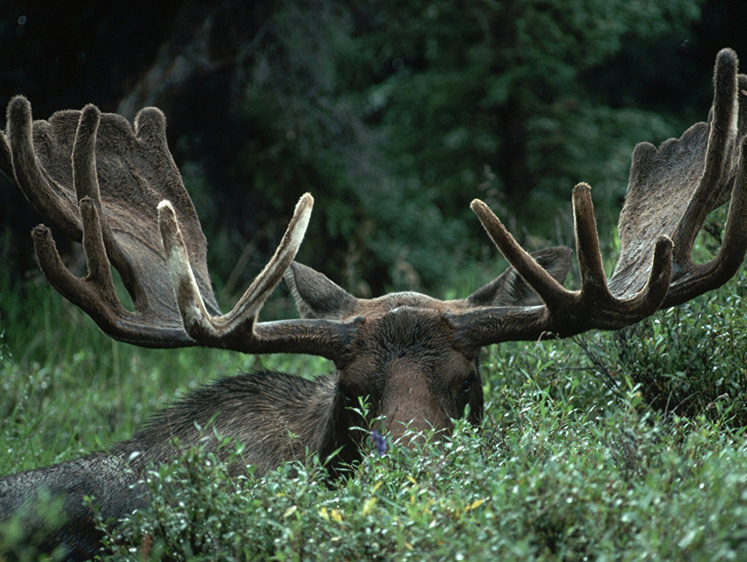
{"x": 379, "y": 442}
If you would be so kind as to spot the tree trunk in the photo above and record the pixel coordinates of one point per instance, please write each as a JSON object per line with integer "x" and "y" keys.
{"x": 517, "y": 177}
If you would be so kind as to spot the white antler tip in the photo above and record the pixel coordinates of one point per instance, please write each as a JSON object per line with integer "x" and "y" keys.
{"x": 302, "y": 216}
{"x": 305, "y": 204}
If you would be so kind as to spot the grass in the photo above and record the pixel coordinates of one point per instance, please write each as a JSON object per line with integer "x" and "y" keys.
{"x": 620, "y": 446}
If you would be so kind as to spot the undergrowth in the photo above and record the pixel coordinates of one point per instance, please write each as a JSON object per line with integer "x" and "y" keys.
{"x": 559, "y": 487}
{"x": 621, "y": 446}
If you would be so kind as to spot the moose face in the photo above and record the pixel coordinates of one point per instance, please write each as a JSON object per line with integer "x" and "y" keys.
{"x": 409, "y": 366}
{"x": 407, "y": 358}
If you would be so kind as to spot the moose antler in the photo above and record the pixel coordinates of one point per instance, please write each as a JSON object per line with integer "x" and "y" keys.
{"x": 107, "y": 185}
{"x": 670, "y": 193}
{"x": 99, "y": 181}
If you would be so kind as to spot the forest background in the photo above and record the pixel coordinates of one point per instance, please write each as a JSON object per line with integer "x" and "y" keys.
{"x": 393, "y": 115}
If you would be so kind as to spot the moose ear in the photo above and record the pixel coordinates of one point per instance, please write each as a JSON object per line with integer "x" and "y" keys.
{"x": 316, "y": 295}
{"x": 509, "y": 289}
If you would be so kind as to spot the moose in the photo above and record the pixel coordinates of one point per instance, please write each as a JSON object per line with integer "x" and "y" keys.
{"x": 115, "y": 188}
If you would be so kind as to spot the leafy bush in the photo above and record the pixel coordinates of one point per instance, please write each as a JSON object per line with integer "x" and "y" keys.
{"x": 560, "y": 485}
{"x": 689, "y": 360}
{"x": 611, "y": 445}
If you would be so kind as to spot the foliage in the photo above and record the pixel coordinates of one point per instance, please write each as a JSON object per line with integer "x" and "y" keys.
{"x": 503, "y": 96}
{"x": 563, "y": 484}
{"x": 689, "y": 361}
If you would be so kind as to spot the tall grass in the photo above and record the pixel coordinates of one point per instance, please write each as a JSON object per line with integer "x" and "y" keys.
{"x": 607, "y": 446}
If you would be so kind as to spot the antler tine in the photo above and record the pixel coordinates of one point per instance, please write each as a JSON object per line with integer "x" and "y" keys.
{"x": 97, "y": 238}
{"x": 707, "y": 276}
{"x": 84, "y": 155}
{"x": 566, "y": 312}
{"x": 721, "y": 139}
{"x": 98, "y": 286}
{"x": 734, "y": 246}
{"x": 36, "y": 185}
{"x": 111, "y": 186}
{"x": 239, "y": 329}
{"x": 546, "y": 286}
{"x": 235, "y": 329}
{"x": 593, "y": 278}
{"x": 95, "y": 293}
{"x": 595, "y": 293}
{"x": 694, "y": 279}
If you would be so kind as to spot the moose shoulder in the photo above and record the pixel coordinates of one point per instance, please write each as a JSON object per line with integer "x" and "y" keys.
{"x": 116, "y": 189}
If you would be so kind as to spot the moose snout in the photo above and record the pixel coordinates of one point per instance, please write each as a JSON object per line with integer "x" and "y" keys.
{"x": 412, "y": 432}
{"x": 411, "y": 409}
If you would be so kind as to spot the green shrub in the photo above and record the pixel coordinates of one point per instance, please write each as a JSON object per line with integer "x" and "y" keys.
{"x": 690, "y": 360}
{"x": 558, "y": 486}
{"x": 609, "y": 446}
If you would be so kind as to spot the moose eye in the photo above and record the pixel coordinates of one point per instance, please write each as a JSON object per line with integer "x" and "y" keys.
{"x": 349, "y": 397}
{"x": 467, "y": 385}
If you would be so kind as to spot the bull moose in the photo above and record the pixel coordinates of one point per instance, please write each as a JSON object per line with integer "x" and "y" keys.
{"x": 116, "y": 189}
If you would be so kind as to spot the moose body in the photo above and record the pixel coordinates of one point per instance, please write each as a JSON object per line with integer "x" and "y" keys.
{"x": 414, "y": 358}
{"x": 275, "y": 416}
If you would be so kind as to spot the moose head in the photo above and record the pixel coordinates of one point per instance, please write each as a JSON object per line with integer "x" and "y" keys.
{"x": 115, "y": 188}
